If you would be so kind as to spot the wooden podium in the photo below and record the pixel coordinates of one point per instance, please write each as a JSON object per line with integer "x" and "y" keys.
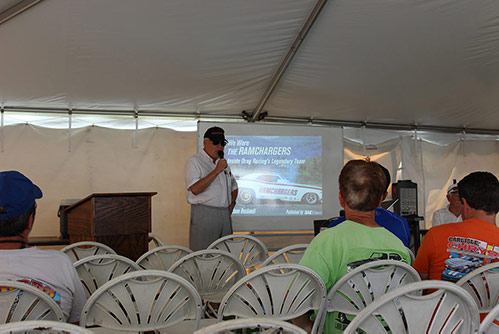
{"x": 119, "y": 220}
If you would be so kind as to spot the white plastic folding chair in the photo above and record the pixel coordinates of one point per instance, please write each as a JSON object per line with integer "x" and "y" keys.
{"x": 289, "y": 254}
{"x": 450, "y": 309}
{"x": 162, "y": 258}
{"x": 264, "y": 325}
{"x": 483, "y": 286}
{"x": 364, "y": 284}
{"x": 96, "y": 270}
{"x": 248, "y": 249}
{"x": 42, "y": 327}
{"x": 79, "y": 250}
{"x": 490, "y": 325}
{"x": 279, "y": 291}
{"x": 145, "y": 300}
{"x": 21, "y": 301}
{"x": 411, "y": 255}
{"x": 211, "y": 271}
{"x": 155, "y": 241}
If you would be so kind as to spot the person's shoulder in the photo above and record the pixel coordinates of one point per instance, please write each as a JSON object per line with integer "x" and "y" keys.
{"x": 327, "y": 234}
{"x": 472, "y": 223}
{"x": 441, "y": 211}
{"x": 384, "y": 213}
{"x": 53, "y": 255}
{"x": 440, "y": 229}
{"x": 194, "y": 157}
{"x": 336, "y": 222}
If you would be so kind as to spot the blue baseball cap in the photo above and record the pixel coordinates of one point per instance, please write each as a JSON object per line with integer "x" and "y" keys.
{"x": 17, "y": 194}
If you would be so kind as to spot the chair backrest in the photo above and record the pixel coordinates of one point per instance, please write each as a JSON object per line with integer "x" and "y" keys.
{"x": 211, "y": 271}
{"x": 79, "y": 250}
{"x": 21, "y": 301}
{"x": 280, "y": 291}
{"x": 450, "y": 309}
{"x": 96, "y": 270}
{"x": 364, "y": 284}
{"x": 490, "y": 325}
{"x": 290, "y": 254}
{"x": 155, "y": 241}
{"x": 162, "y": 257}
{"x": 483, "y": 286}
{"x": 235, "y": 326}
{"x": 42, "y": 326}
{"x": 411, "y": 255}
{"x": 144, "y": 300}
{"x": 248, "y": 249}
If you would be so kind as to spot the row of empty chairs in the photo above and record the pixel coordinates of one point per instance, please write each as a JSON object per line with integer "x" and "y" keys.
{"x": 96, "y": 263}
{"x": 153, "y": 299}
{"x": 250, "y": 251}
{"x": 265, "y": 325}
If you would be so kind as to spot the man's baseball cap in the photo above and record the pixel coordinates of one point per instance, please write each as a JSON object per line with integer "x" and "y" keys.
{"x": 216, "y": 135}
{"x": 17, "y": 194}
{"x": 452, "y": 189}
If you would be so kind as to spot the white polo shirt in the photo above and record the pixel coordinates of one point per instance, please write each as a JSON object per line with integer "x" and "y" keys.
{"x": 444, "y": 216}
{"x": 218, "y": 192}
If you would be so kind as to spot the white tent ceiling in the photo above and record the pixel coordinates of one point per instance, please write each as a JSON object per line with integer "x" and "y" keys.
{"x": 424, "y": 63}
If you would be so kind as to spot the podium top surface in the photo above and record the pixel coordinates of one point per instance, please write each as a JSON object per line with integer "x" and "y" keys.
{"x": 109, "y": 195}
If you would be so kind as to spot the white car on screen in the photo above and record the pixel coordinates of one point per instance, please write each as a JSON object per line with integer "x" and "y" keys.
{"x": 274, "y": 186}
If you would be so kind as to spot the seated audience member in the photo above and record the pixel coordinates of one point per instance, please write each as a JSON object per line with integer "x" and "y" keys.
{"x": 452, "y": 213}
{"x": 450, "y": 251}
{"x": 335, "y": 251}
{"x": 387, "y": 219}
{"x": 48, "y": 270}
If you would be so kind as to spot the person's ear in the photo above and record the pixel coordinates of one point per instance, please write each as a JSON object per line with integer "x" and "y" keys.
{"x": 31, "y": 219}
{"x": 342, "y": 201}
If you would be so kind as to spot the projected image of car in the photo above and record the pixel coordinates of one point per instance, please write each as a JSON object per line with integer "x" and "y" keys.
{"x": 273, "y": 186}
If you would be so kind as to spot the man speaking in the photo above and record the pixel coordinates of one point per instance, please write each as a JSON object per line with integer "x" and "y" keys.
{"x": 211, "y": 191}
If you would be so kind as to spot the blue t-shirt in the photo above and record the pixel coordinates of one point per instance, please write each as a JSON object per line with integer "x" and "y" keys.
{"x": 389, "y": 220}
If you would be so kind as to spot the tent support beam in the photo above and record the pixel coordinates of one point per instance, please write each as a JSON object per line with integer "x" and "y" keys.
{"x": 287, "y": 60}
{"x": 17, "y": 9}
{"x": 269, "y": 119}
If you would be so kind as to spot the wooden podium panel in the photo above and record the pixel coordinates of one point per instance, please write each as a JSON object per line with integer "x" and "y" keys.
{"x": 119, "y": 220}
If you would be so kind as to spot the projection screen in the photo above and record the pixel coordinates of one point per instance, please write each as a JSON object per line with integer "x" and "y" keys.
{"x": 287, "y": 175}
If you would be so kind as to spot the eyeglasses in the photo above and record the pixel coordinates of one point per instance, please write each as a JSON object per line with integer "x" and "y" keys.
{"x": 219, "y": 141}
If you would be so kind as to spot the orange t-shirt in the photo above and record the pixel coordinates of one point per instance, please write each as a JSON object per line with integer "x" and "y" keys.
{"x": 461, "y": 241}
{"x": 464, "y": 238}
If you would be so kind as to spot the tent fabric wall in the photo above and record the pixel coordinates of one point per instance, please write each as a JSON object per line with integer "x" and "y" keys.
{"x": 106, "y": 160}
{"x": 432, "y": 162}
{"x": 441, "y": 164}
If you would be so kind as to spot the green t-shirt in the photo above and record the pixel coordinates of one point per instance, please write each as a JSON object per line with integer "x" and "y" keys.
{"x": 332, "y": 251}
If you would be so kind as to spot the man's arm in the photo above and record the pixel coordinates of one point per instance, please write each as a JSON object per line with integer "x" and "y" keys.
{"x": 422, "y": 261}
{"x": 233, "y": 196}
{"x": 205, "y": 182}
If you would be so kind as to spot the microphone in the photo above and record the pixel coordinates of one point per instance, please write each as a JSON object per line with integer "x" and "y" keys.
{"x": 221, "y": 156}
